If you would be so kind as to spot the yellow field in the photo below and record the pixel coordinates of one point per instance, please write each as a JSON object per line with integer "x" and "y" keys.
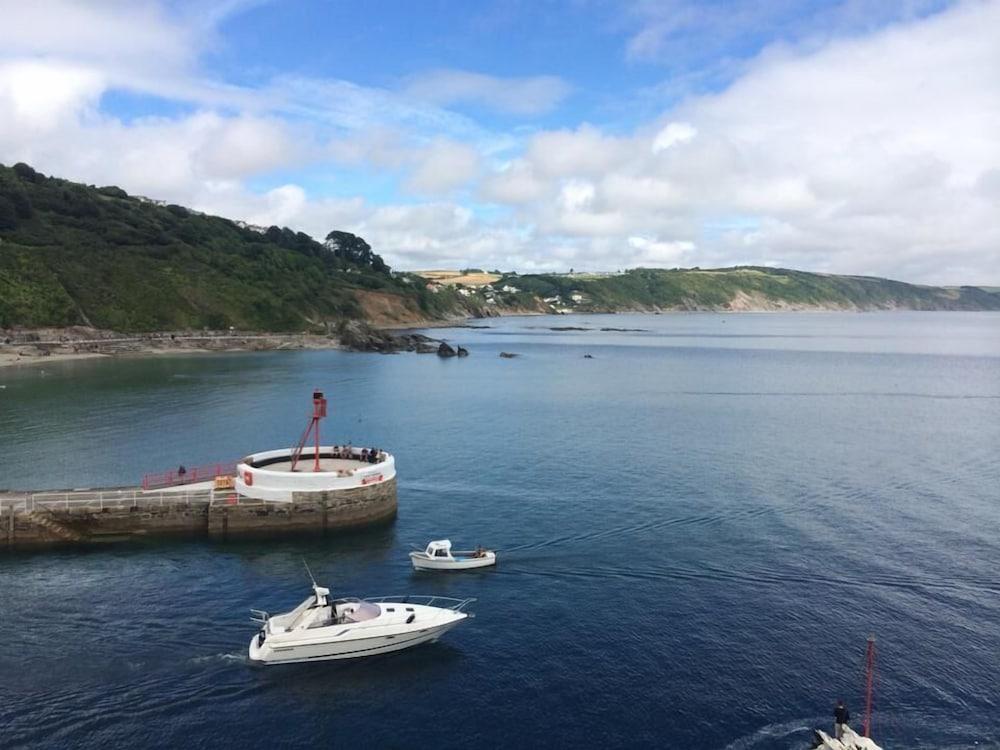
{"x": 456, "y": 277}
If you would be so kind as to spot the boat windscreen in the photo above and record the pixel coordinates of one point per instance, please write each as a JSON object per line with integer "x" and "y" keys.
{"x": 365, "y": 611}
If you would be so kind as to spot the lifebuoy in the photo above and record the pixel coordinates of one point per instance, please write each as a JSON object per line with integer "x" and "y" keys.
{"x": 248, "y": 478}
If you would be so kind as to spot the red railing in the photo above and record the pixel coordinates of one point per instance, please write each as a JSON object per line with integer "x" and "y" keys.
{"x": 185, "y": 475}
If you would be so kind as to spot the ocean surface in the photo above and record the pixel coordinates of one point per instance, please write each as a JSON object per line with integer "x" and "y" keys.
{"x": 698, "y": 529}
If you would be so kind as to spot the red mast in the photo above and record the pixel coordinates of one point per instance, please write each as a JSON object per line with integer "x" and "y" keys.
{"x": 869, "y": 679}
{"x": 319, "y": 411}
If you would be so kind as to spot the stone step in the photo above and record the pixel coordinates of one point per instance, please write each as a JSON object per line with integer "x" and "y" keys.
{"x": 61, "y": 530}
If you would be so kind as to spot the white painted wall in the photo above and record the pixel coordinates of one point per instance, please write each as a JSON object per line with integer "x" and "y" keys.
{"x": 278, "y": 486}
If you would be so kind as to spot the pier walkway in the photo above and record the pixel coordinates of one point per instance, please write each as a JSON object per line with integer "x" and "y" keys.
{"x": 85, "y": 516}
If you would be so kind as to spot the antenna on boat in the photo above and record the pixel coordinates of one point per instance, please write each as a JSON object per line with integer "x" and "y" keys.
{"x": 309, "y": 572}
{"x": 869, "y": 679}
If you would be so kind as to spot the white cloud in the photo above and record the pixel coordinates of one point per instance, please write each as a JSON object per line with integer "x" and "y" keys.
{"x": 876, "y": 153}
{"x": 132, "y": 33}
{"x": 240, "y": 146}
{"x": 673, "y": 134}
{"x": 650, "y": 251}
{"x": 584, "y": 151}
{"x": 576, "y": 195}
{"x": 514, "y": 183}
{"x": 43, "y": 96}
{"x": 443, "y": 166}
{"x": 520, "y": 96}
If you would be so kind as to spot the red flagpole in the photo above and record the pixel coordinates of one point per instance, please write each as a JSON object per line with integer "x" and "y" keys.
{"x": 869, "y": 679}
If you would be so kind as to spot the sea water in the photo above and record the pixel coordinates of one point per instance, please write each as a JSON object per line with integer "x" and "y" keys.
{"x": 699, "y": 526}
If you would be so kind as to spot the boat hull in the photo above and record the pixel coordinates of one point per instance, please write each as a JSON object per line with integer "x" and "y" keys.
{"x": 351, "y": 648}
{"x": 422, "y": 562}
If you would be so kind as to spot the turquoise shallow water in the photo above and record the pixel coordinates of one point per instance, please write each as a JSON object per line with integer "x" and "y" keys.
{"x": 702, "y": 524}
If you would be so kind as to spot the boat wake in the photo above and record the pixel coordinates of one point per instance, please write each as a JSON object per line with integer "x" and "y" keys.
{"x": 781, "y": 730}
{"x": 237, "y": 657}
{"x": 921, "y": 733}
{"x": 755, "y": 577}
{"x": 701, "y": 519}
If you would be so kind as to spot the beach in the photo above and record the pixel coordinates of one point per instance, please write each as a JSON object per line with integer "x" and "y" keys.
{"x": 31, "y": 347}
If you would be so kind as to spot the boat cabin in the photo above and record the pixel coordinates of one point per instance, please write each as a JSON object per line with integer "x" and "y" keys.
{"x": 319, "y": 611}
{"x": 440, "y": 550}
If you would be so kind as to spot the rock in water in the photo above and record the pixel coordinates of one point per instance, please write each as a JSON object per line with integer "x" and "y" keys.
{"x": 850, "y": 741}
{"x": 361, "y": 337}
{"x": 507, "y": 355}
{"x": 446, "y": 351}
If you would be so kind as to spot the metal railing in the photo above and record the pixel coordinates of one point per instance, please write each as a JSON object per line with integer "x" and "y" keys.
{"x": 195, "y": 474}
{"x": 456, "y": 604}
{"x": 108, "y": 499}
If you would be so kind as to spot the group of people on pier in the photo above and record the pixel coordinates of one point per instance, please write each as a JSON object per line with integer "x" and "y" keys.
{"x": 365, "y": 455}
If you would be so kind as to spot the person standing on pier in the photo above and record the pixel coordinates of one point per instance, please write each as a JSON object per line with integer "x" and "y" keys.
{"x": 841, "y": 716}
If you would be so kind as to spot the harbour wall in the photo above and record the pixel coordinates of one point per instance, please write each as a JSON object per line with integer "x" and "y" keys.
{"x": 89, "y": 517}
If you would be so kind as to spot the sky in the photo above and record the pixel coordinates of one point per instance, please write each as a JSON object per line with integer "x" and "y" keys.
{"x": 845, "y": 136}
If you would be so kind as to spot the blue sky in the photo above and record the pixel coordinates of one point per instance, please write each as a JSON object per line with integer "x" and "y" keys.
{"x": 850, "y": 136}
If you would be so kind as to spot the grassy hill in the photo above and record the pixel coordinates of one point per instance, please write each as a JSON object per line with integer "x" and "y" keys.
{"x": 73, "y": 254}
{"x": 743, "y": 288}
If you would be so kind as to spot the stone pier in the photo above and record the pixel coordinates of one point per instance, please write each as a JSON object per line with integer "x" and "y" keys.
{"x": 78, "y": 517}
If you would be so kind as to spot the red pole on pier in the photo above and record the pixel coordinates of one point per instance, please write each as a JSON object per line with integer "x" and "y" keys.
{"x": 319, "y": 411}
{"x": 869, "y": 679}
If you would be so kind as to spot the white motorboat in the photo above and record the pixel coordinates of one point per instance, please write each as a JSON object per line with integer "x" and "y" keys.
{"x": 323, "y": 628}
{"x": 438, "y": 556}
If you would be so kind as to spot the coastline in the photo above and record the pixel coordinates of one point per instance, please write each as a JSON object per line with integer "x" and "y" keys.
{"x": 29, "y": 347}
{"x": 32, "y": 347}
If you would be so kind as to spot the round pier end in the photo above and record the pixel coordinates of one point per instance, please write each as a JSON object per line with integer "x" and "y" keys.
{"x": 281, "y": 476}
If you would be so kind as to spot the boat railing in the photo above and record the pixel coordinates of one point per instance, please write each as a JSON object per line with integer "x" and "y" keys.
{"x": 447, "y": 602}
{"x": 259, "y": 615}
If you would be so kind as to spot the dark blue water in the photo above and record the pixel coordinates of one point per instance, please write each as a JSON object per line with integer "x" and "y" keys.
{"x": 703, "y": 523}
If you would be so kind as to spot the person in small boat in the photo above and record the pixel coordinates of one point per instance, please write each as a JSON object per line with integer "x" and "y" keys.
{"x": 480, "y": 552}
{"x": 373, "y": 455}
{"x": 841, "y": 716}
{"x": 364, "y": 455}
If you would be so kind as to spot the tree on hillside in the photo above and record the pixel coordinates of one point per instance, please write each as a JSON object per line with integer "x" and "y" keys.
{"x": 8, "y": 214}
{"x": 353, "y": 249}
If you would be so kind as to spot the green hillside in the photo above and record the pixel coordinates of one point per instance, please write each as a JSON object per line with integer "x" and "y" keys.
{"x": 744, "y": 288}
{"x": 73, "y": 254}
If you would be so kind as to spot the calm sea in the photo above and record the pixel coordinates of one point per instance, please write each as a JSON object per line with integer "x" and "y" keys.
{"x": 699, "y": 527}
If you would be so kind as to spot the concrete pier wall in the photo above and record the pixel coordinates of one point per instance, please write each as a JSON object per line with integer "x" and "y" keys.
{"x": 79, "y": 520}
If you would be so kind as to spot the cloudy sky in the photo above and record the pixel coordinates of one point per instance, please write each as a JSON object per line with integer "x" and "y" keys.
{"x": 853, "y": 136}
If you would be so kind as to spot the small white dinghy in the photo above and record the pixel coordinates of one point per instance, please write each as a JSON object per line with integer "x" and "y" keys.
{"x": 438, "y": 556}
